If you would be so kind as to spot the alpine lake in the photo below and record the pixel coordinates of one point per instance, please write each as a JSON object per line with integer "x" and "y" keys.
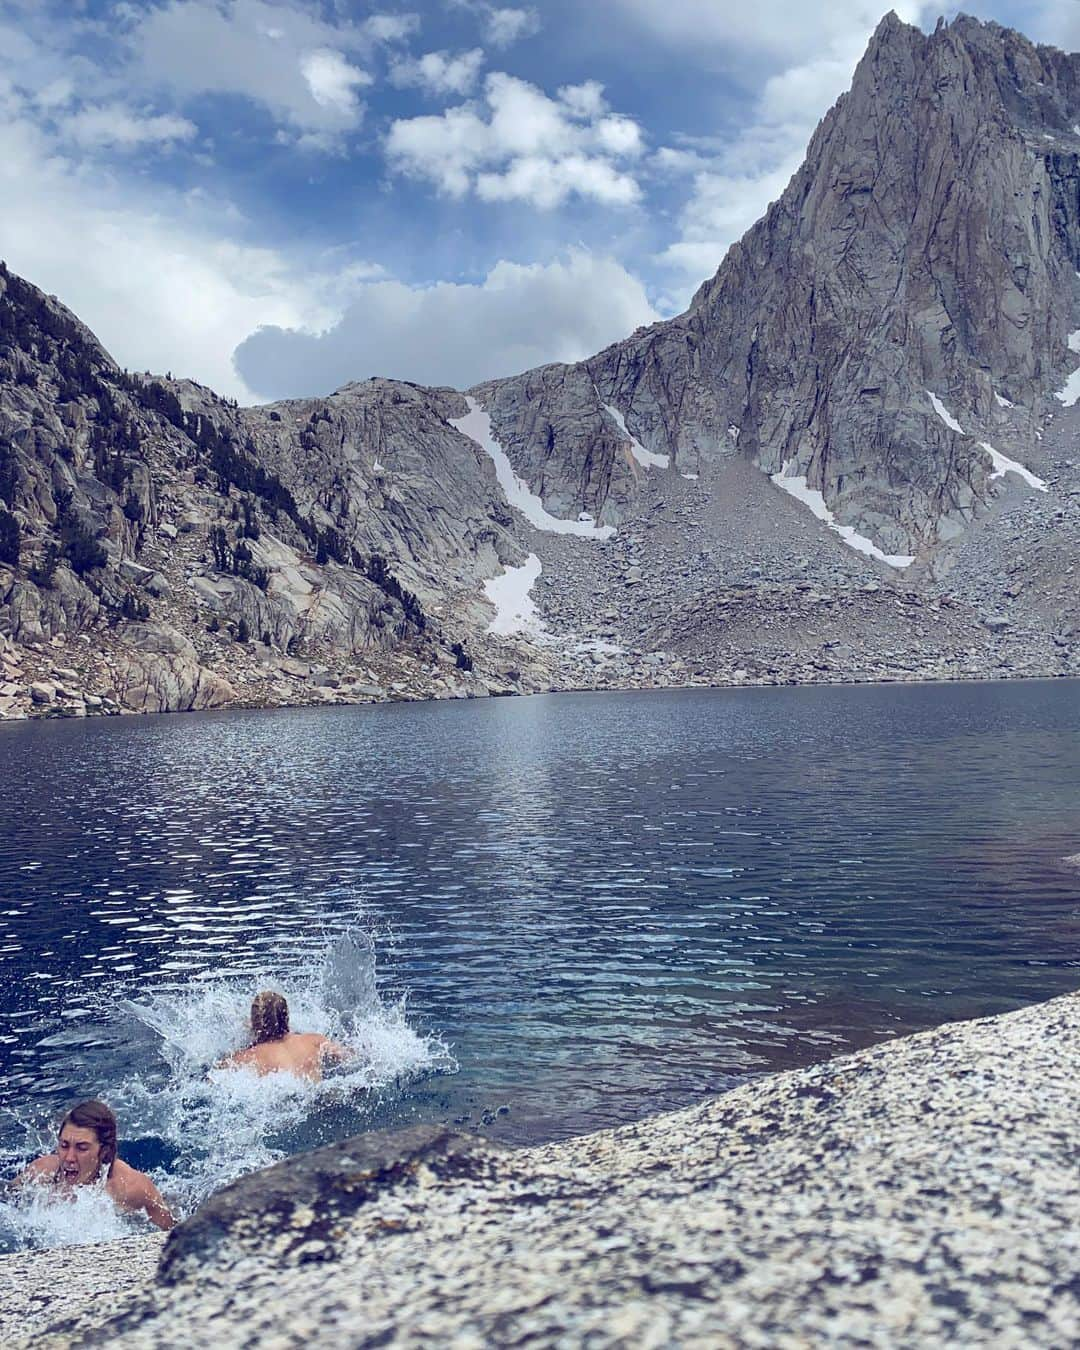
{"x": 528, "y": 917}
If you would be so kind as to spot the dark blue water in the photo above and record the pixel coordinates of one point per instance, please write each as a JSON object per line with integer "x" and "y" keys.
{"x": 582, "y": 908}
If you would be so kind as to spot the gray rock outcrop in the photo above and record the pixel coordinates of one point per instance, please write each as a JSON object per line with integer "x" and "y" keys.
{"x": 928, "y": 244}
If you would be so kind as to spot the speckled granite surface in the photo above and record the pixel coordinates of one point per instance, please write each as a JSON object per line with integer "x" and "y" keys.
{"x": 37, "y": 1288}
{"x": 922, "y": 1192}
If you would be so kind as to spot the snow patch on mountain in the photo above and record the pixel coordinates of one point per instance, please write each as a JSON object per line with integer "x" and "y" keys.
{"x": 796, "y": 486}
{"x": 1003, "y": 465}
{"x": 943, "y": 412}
{"x": 515, "y": 609}
{"x": 477, "y": 426}
{"x": 646, "y": 458}
{"x": 1069, "y": 393}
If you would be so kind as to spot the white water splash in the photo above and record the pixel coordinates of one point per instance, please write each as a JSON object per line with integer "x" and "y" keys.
{"x": 216, "y": 1124}
{"x": 45, "y": 1217}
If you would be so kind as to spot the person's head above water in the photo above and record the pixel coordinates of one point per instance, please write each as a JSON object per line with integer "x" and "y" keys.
{"x": 87, "y": 1143}
{"x": 269, "y": 1017}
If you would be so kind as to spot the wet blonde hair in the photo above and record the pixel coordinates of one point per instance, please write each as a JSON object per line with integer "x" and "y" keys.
{"x": 269, "y": 1017}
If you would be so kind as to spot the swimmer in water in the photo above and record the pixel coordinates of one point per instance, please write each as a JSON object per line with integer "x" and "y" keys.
{"x": 276, "y": 1049}
{"x": 86, "y": 1152}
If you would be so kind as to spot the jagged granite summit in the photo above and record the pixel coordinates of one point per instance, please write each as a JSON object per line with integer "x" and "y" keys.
{"x": 854, "y": 456}
{"x": 928, "y": 246}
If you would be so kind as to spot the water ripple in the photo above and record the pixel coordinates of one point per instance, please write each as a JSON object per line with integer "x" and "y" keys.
{"x": 605, "y": 905}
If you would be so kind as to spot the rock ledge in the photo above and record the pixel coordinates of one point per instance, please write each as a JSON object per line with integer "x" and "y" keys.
{"x": 921, "y": 1192}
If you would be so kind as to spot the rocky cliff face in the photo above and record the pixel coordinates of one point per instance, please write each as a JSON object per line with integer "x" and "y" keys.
{"x": 928, "y": 245}
{"x": 845, "y": 460}
{"x": 209, "y": 554}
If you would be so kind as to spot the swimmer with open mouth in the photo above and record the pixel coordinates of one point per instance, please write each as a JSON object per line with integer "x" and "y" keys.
{"x": 85, "y": 1154}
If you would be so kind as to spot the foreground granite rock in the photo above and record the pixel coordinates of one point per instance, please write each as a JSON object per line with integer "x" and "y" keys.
{"x": 922, "y": 1192}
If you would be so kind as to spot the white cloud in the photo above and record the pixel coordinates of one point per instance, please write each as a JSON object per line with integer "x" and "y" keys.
{"x": 278, "y": 54}
{"x": 584, "y": 100}
{"x": 775, "y": 30}
{"x": 439, "y": 72}
{"x": 55, "y": 94}
{"x": 151, "y": 272}
{"x": 390, "y": 27}
{"x": 112, "y": 126}
{"x": 333, "y": 82}
{"x": 547, "y": 183}
{"x": 522, "y": 146}
{"x": 506, "y": 26}
{"x": 517, "y": 318}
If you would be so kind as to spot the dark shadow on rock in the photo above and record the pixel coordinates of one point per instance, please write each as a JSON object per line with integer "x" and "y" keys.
{"x": 295, "y": 1211}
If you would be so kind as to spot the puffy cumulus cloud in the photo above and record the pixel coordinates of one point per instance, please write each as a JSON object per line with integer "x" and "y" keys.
{"x": 154, "y": 273}
{"x": 115, "y": 127}
{"x": 390, "y": 27}
{"x": 506, "y": 26}
{"x": 501, "y": 26}
{"x": 333, "y": 82}
{"x": 734, "y": 180}
{"x": 517, "y": 318}
{"x": 439, "y": 73}
{"x": 522, "y": 145}
{"x": 279, "y": 54}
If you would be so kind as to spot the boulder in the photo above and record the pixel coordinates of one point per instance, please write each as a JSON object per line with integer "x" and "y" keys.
{"x": 133, "y": 571}
{"x": 158, "y": 670}
{"x": 294, "y": 1212}
{"x": 163, "y": 682}
{"x": 41, "y": 692}
{"x": 157, "y": 585}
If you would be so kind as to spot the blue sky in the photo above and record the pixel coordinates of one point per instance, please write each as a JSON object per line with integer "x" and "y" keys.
{"x": 276, "y": 196}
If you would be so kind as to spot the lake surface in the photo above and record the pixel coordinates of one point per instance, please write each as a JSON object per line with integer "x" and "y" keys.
{"x": 533, "y": 916}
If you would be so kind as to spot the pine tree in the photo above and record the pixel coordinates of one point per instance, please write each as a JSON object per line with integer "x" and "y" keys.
{"x": 9, "y": 539}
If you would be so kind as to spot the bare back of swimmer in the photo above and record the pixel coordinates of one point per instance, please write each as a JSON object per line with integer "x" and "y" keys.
{"x": 276, "y": 1049}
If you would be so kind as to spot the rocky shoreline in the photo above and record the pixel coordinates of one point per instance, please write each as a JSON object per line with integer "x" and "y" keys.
{"x": 36, "y": 682}
{"x": 715, "y": 583}
{"x": 923, "y": 1191}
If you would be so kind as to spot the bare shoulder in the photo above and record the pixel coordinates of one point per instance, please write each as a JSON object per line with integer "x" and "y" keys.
{"x": 41, "y": 1169}
{"x": 133, "y": 1190}
{"x": 237, "y": 1059}
{"x": 127, "y": 1183}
